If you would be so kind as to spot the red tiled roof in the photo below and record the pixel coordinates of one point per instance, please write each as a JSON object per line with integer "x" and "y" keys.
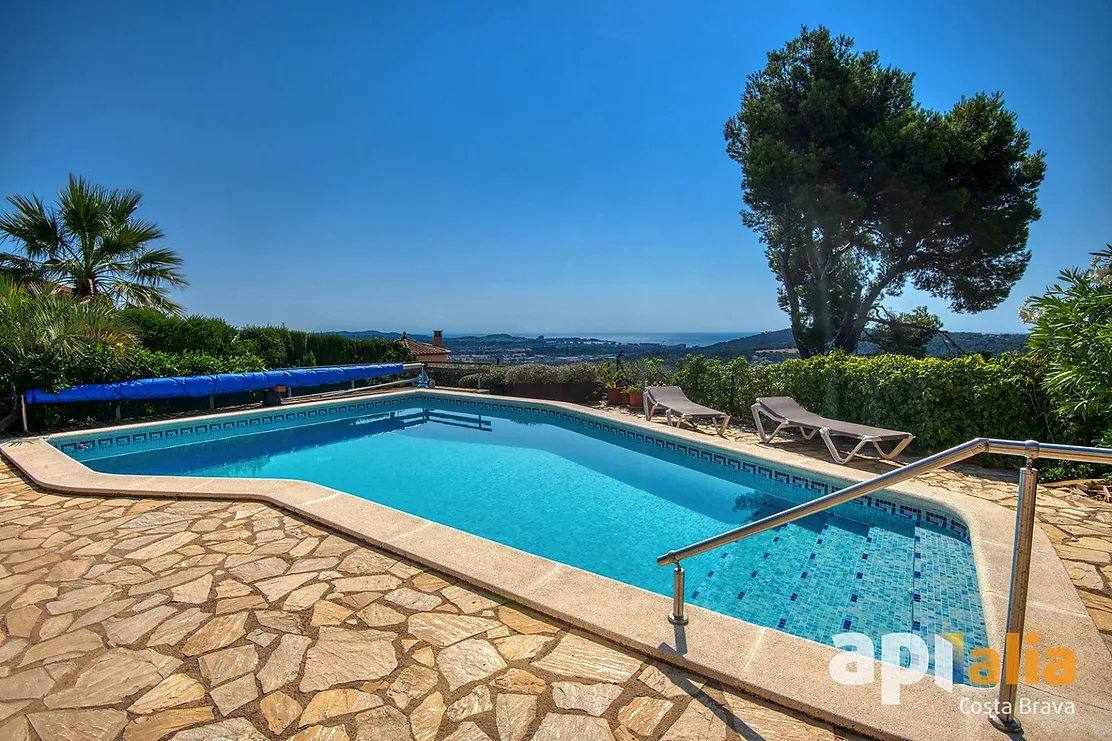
{"x": 423, "y": 348}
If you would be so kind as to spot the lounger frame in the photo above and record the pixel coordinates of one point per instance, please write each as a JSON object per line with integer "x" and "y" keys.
{"x": 809, "y": 432}
{"x": 651, "y": 408}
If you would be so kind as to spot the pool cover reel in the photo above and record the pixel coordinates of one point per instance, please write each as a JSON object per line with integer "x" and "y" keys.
{"x": 210, "y": 385}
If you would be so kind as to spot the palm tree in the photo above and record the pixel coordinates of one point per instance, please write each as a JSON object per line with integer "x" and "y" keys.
{"x": 92, "y": 244}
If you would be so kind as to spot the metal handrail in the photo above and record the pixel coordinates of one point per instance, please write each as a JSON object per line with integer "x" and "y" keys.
{"x": 1032, "y": 450}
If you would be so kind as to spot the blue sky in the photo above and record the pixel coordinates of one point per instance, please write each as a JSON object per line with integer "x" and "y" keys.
{"x": 531, "y": 167}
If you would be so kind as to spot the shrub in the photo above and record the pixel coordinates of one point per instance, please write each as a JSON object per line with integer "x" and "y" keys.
{"x": 942, "y": 401}
{"x": 532, "y": 373}
{"x": 286, "y": 348}
{"x": 164, "y": 333}
{"x": 1072, "y": 330}
{"x": 576, "y": 373}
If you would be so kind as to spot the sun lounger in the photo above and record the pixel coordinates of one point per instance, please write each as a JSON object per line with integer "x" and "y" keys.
{"x": 679, "y": 408}
{"x": 786, "y": 412}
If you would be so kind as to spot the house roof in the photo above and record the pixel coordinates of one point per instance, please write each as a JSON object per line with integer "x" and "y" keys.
{"x": 419, "y": 348}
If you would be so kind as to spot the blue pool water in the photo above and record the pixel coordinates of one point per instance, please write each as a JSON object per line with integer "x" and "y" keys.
{"x": 601, "y": 502}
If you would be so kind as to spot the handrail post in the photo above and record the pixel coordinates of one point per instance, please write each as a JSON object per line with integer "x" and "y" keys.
{"x": 1004, "y": 716}
{"x": 677, "y": 617}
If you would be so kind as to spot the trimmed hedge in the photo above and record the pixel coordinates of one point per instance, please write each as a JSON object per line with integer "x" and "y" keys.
{"x": 195, "y": 334}
{"x": 288, "y": 348}
{"x": 101, "y": 364}
{"x": 944, "y": 402}
{"x": 534, "y": 373}
{"x": 496, "y": 378}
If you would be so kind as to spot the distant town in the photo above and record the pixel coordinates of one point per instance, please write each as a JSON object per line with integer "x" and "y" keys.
{"x": 765, "y": 347}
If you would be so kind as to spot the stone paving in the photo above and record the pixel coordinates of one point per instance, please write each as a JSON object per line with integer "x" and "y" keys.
{"x": 1079, "y": 526}
{"x": 148, "y": 619}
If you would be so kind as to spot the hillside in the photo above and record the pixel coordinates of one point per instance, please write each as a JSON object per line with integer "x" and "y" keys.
{"x": 766, "y": 346}
{"x": 778, "y": 345}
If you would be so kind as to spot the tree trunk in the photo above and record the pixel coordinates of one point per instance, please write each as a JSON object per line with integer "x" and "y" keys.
{"x": 798, "y": 330}
{"x": 848, "y": 338}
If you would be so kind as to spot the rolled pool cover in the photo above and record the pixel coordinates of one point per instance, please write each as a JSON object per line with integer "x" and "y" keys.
{"x": 210, "y": 385}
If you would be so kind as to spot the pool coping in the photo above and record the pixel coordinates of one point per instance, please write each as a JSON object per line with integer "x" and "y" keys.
{"x": 763, "y": 661}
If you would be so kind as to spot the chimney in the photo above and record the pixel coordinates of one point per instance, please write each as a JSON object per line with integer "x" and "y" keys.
{"x": 437, "y": 338}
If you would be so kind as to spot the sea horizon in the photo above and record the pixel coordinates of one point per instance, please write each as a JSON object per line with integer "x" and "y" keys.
{"x": 690, "y": 339}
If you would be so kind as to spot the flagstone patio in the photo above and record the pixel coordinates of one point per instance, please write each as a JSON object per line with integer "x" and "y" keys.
{"x": 145, "y": 619}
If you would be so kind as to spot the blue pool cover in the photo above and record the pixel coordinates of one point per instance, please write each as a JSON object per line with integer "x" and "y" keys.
{"x": 219, "y": 383}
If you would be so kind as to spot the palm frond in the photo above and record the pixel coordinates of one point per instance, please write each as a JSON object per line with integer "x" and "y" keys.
{"x": 92, "y": 242}
{"x": 34, "y": 227}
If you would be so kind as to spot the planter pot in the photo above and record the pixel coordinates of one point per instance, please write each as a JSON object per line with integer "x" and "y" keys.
{"x": 614, "y": 395}
{"x": 635, "y": 399}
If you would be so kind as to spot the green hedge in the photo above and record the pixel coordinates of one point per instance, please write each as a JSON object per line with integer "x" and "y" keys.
{"x": 101, "y": 364}
{"x": 492, "y": 379}
{"x": 942, "y": 401}
{"x": 535, "y": 373}
{"x": 195, "y": 334}
{"x": 288, "y": 348}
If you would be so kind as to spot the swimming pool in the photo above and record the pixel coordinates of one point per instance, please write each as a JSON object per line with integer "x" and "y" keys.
{"x": 604, "y": 498}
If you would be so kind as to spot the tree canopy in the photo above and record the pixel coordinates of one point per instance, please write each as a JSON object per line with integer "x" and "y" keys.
{"x": 91, "y": 243}
{"x": 857, "y": 191}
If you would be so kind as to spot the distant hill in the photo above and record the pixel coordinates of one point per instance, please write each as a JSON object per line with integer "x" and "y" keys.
{"x": 368, "y": 334}
{"x": 766, "y": 347}
{"x": 779, "y": 344}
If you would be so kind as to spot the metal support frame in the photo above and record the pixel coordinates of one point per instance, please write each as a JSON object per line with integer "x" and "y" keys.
{"x": 1004, "y": 716}
{"x": 677, "y": 617}
{"x": 827, "y": 438}
{"x": 1032, "y": 450}
{"x": 650, "y": 408}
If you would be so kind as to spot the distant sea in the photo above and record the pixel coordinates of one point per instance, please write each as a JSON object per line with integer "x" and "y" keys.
{"x": 691, "y": 339}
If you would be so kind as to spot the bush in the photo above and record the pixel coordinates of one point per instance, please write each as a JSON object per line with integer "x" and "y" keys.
{"x": 1072, "y": 330}
{"x": 164, "y": 333}
{"x": 576, "y": 373}
{"x": 492, "y": 379}
{"x": 536, "y": 373}
{"x": 288, "y": 348}
{"x": 532, "y": 373}
{"x": 103, "y": 364}
{"x": 942, "y": 401}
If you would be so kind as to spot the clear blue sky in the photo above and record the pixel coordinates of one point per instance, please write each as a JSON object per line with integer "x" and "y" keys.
{"x": 541, "y": 167}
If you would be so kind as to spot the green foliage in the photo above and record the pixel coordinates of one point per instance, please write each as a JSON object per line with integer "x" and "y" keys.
{"x": 104, "y": 364}
{"x": 531, "y": 373}
{"x": 608, "y": 374}
{"x": 92, "y": 243}
{"x": 641, "y": 372}
{"x": 535, "y": 373}
{"x": 165, "y": 333}
{"x": 492, "y": 378}
{"x": 1072, "y": 331}
{"x": 942, "y": 401}
{"x": 39, "y": 324}
{"x": 903, "y": 333}
{"x": 576, "y": 373}
{"x": 857, "y": 191}
{"x": 287, "y": 348}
